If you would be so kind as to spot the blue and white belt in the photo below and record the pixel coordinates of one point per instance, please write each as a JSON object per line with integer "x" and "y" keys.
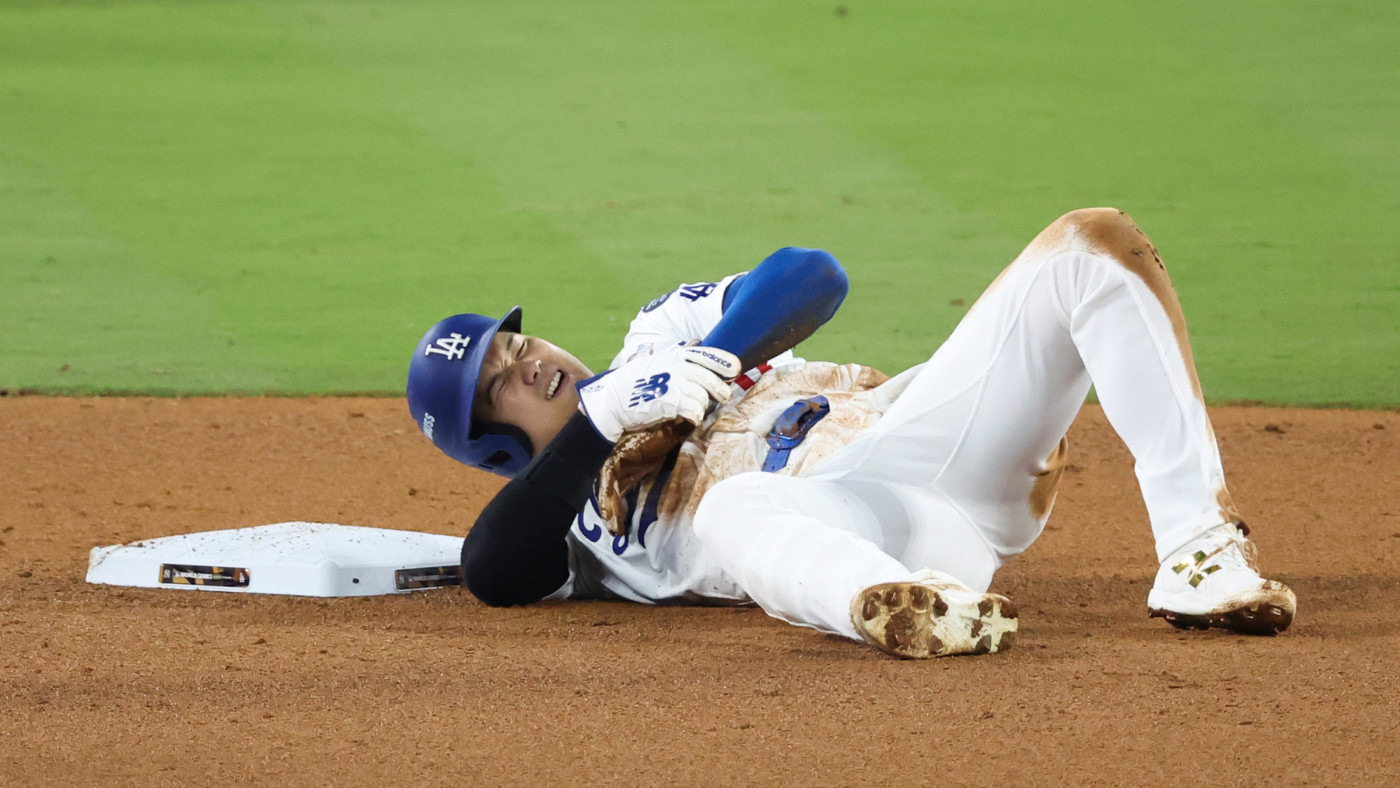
{"x": 791, "y": 429}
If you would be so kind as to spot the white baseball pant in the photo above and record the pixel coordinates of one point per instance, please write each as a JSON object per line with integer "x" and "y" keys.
{"x": 959, "y": 475}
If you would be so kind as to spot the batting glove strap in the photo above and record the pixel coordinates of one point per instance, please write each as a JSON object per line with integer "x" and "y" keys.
{"x": 720, "y": 362}
{"x": 649, "y": 390}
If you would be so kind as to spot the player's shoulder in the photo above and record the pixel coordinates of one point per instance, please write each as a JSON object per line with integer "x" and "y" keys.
{"x": 689, "y": 295}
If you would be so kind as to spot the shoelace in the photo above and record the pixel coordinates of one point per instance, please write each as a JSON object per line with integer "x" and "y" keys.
{"x": 1223, "y": 537}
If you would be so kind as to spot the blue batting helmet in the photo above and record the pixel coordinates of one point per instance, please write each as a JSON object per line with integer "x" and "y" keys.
{"x": 442, "y": 381}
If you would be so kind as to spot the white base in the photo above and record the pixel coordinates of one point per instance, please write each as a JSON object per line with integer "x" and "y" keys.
{"x": 302, "y": 559}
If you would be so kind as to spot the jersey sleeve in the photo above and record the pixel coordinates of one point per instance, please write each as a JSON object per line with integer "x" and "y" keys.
{"x": 675, "y": 318}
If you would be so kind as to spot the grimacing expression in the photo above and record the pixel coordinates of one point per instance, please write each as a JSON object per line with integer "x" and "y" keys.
{"x": 528, "y": 383}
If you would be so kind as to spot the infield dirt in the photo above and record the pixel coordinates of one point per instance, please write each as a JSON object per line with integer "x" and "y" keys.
{"x": 109, "y": 686}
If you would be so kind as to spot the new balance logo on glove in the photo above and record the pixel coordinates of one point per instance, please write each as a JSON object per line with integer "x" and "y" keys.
{"x": 648, "y": 389}
{"x": 652, "y": 389}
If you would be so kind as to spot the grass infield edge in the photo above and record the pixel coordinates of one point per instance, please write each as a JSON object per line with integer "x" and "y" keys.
{"x": 99, "y": 393}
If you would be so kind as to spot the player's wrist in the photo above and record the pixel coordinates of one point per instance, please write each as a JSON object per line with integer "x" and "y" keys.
{"x": 592, "y": 396}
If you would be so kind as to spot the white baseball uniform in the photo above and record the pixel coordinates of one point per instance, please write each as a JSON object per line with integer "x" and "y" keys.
{"x": 951, "y": 465}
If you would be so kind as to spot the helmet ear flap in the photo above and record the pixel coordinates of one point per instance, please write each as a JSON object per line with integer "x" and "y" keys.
{"x": 512, "y": 456}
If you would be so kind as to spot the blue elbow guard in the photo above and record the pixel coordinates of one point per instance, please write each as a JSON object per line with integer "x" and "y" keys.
{"x": 781, "y": 302}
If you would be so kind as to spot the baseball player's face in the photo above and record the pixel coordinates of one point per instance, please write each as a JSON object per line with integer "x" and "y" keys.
{"x": 528, "y": 383}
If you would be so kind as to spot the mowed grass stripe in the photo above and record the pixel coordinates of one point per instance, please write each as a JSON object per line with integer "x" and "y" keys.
{"x": 330, "y": 178}
{"x": 667, "y": 153}
{"x": 258, "y": 176}
{"x": 1255, "y": 145}
{"x": 79, "y": 309}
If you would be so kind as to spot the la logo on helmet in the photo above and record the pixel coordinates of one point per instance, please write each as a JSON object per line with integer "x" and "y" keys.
{"x": 454, "y": 346}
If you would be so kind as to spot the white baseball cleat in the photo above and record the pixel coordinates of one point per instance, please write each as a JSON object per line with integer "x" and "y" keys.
{"x": 1212, "y": 582}
{"x": 933, "y": 615}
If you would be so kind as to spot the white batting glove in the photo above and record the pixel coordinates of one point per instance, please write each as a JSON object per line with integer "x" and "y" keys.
{"x": 649, "y": 390}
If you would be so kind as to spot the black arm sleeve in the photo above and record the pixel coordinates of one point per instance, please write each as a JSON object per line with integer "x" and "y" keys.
{"x": 516, "y": 554}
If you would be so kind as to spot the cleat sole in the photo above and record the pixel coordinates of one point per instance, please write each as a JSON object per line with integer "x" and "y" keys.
{"x": 914, "y": 621}
{"x": 1268, "y": 610}
{"x": 1260, "y": 619}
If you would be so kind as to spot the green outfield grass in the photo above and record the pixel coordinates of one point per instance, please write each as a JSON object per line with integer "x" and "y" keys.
{"x": 282, "y": 196}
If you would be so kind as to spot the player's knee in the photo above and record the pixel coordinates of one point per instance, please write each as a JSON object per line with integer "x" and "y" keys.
{"x": 1113, "y": 233}
{"x": 1096, "y": 219}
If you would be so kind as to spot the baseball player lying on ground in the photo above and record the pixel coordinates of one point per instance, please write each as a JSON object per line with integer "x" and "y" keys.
{"x": 708, "y": 465}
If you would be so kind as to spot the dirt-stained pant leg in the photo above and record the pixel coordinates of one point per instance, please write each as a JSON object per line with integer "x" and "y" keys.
{"x": 802, "y": 548}
{"x": 960, "y": 473}
{"x": 1087, "y": 302}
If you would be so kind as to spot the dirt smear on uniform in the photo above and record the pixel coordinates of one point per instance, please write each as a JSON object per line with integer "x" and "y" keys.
{"x": 109, "y": 686}
{"x": 1047, "y": 481}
